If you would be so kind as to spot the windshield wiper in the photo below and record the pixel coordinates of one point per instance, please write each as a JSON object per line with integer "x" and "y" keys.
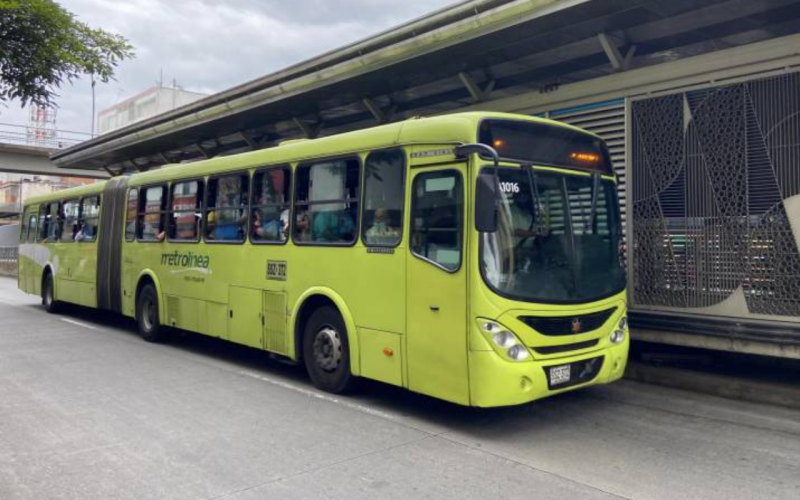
{"x": 593, "y": 210}
{"x": 533, "y": 185}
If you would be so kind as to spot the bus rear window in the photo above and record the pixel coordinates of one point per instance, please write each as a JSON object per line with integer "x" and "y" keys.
{"x": 544, "y": 144}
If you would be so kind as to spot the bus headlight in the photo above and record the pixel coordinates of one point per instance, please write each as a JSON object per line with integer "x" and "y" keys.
{"x": 623, "y": 323}
{"x": 617, "y": 336}
{"x": 503, "y": 341}
{"x": 517, "y": 352}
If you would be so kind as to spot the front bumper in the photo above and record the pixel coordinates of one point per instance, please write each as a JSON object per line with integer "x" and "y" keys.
{"x": 495, "y": 381}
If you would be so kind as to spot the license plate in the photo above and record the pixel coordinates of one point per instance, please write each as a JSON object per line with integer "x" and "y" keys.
{"x": 559, "y": 374}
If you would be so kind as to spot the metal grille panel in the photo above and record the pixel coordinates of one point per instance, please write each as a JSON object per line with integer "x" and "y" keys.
{"x": 711, "y": 171}
{"x": 562, "y": 325}
{"x": 275, "y": 321}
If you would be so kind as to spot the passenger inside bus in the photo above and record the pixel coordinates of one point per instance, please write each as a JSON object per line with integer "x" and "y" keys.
{"x": 333, "y": 226}
{"x": 303, "y": 226}
{"x": 80, "y": 235}
{"x": 274, "y": 229}
{"x": 227, "y": 209}
{"x": 382, "y": 231}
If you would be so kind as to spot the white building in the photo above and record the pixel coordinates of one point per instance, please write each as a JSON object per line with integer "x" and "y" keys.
{"x": 151, "y": 102}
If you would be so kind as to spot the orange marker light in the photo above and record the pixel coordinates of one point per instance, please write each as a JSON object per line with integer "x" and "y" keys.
{"x": 498, "y": 143}
{"x": 585, "y": 157}
{"x": 388, "y": 352}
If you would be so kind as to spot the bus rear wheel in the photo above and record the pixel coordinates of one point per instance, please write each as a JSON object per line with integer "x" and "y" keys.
{"x": 147, "y": 318}
{"x": 326, "y": 351}
{"x": 48, "y": 294}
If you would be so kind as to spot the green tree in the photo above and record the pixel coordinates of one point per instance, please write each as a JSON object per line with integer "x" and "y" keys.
{"x": 42, "y": 46}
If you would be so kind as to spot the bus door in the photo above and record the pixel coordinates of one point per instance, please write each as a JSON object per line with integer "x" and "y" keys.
{"x": 437, "y": 284}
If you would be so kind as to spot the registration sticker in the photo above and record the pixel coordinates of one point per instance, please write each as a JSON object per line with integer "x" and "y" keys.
{"x": 559, "y": 374}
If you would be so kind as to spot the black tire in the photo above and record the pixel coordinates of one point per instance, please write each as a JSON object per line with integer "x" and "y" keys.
{"x": 147, "y": 317}
{"x": 326, "y": 351}
{"x": 49, "y": 301}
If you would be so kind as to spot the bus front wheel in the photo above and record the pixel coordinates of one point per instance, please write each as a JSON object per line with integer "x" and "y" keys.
{"x": 326, "y": 351}
{"x": 48, "y": 294}
{"x": 147, "y": 318}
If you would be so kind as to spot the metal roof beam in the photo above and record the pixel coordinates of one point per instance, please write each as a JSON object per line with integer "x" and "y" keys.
{"x": 477, "y": 93}
{"x": 381, "y": 116}
{"x": 203, "y": 151}
{"x": 137, "y": 167}
{"x": 618, "y": 61}
{"x": 251, "y": 143}
{"x": 373, "y": 108}
{"x": 310, "y": 131}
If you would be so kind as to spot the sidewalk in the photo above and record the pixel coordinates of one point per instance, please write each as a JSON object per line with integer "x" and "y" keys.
{"x": 744, "y": 377}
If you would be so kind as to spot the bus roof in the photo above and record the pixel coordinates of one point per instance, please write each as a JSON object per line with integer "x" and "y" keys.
{"x": 445, "y": 129}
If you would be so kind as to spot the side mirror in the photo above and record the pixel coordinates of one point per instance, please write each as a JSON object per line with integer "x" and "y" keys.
{"x": 486, "y": 202}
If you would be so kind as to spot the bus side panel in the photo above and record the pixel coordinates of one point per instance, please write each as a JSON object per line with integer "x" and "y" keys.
{"x": 381, "y": 356}
{"x": 84, "y": 271}
{"x": 22, "y": 268}
{"x": 379, "y": 301}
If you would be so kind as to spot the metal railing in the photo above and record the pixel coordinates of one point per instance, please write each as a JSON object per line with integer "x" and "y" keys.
{"x": 8, "y": 261}
{"x": 9, "y": 254}
{"x": 30, "y": 136}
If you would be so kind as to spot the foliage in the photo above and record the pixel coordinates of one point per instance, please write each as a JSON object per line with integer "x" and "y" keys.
{"x": 43, "y": 46}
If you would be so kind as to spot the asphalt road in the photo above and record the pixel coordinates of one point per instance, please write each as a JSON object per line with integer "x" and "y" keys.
{"x": 90, "y": 411}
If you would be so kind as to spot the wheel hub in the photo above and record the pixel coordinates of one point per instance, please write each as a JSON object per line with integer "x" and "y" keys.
{"x": 148, "y": 314}
{"x": 327, "y": 349}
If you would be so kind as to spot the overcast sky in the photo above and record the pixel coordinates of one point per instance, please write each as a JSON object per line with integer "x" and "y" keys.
{"x": 209, "y": 46}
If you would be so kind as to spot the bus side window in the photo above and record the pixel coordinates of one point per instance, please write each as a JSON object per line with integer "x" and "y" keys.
{"x": 54, "y": 219}
{"x": 48, "y": 222}
{"x": 41, "y": 234}
{"x": 70, "y": 222}
{"x": 269, "y": 218}
{"x": 33, "y": 220}
{"x": 88, "y": 219}
{"x": 227, "y": 208}
{"x": 437, "y": 218}
{"x": 382, "y": 218}
{"x": 130, "y": 215}
{"x": 151, "y": 224}
{"x": 23, "y": 228}
{"x": 326, "y": 202}
{"x": 186, "y": 199}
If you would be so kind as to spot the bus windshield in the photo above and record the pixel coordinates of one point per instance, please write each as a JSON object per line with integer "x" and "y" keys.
{"x": 558, "y": 238}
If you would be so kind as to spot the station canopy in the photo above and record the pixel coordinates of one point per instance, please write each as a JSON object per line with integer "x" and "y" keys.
{"x": 468, "y": 53}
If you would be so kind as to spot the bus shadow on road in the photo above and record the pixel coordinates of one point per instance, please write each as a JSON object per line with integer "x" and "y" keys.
{"x": 403, "y": 405}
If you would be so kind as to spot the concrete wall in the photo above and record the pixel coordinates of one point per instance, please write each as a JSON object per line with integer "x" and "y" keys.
{"x": 9, "y": 235}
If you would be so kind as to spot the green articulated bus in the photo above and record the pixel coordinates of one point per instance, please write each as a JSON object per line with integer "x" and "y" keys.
{"x": 474, "y": 257}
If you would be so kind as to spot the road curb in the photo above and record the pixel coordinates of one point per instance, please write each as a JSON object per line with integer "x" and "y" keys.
{"x": 716, "y": 385}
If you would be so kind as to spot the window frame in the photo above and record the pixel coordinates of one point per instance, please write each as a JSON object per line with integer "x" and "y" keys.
{"x": 358, "y": 199}
{"x": 461, "y": 226}
{"x": 204, "y": 221}
{"x": 141, "y": 213}
{"x": 135, "y": 215}
{"x": 23, "y": 225}
{"x": 64, "y": 220}
{"x": 43, "y": 232}
{"x": 201, "y": 193}
{"x": 33, "y": 213}
{"x": 82, "y": 219}
{"x": 42, "y": 213}
{"x": 404, "y": 171}
{"x": 252, "y": 206}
